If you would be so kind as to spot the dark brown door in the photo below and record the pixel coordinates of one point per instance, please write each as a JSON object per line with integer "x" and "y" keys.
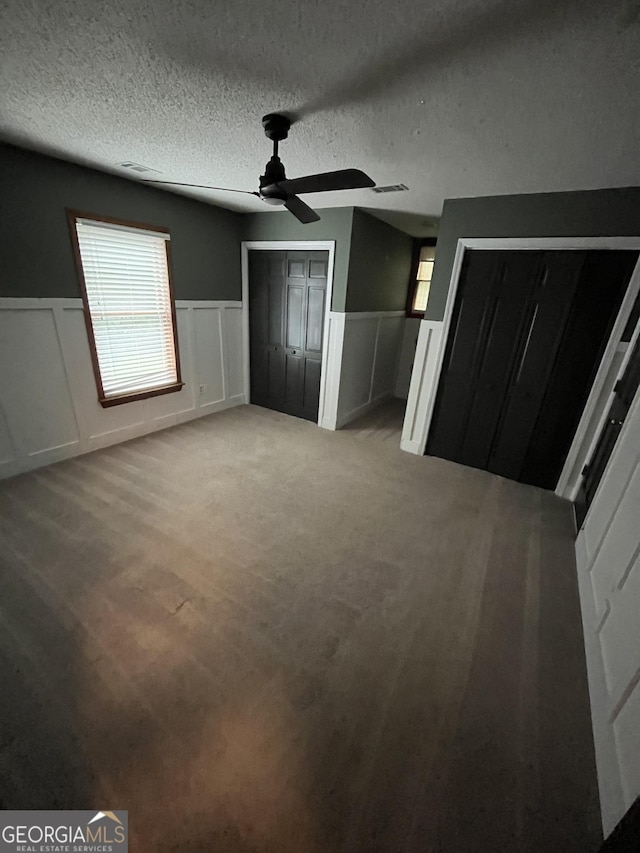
{"x": 287, "y": 293}
{"x": 527, "y": 333}
{"x": 624, "y": 392}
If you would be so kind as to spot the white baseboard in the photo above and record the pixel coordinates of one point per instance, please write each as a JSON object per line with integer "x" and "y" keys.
{"x": 165, "y": 422}
{"x": 411, "y": 446}
{"x": 12, "y": 467}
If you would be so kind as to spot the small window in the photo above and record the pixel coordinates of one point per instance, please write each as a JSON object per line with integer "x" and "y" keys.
{"x": 129, "y": 307}
{"x": 421, "y": 280}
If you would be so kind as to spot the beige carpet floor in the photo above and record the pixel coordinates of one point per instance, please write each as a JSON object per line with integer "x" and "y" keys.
{"x": 259, "y": 636}
{"x": 384, "y": 423}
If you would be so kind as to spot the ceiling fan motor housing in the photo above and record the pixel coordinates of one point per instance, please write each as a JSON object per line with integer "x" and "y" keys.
{"x": 276, "y": 126}
{"x": 273, "y": 174}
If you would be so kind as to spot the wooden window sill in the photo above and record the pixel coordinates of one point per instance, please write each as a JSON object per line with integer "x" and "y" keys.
{"x": 107, "y": 402}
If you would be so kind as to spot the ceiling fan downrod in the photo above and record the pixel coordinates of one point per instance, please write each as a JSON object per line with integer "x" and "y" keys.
{"x": 276, "y": 128}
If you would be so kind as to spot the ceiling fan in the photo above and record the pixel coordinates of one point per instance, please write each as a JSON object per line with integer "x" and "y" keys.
{"x": 276, "y": 188}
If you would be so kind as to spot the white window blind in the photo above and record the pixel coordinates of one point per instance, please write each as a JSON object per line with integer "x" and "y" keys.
{"x": 127, "y": 285}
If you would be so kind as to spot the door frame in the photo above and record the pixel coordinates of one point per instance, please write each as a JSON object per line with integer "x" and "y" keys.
{"x": 423, "y": 410}
{"x": 288, "y": 246}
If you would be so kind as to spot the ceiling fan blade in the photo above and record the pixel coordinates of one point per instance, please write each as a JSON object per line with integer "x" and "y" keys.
{"x": 197, "y": 186}
{"x": 344, "y": 179}
{"x": 300, "y": 210}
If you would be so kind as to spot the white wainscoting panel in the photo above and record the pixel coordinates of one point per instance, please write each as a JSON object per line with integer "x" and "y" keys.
{"x": 208, "y": 345}
{"x": 406, "y": 357}
{"x": 423, "y": 387}
{"x": 49, "y": 407}
{"x": 35, "y": 391}
{"x": 356, "y": 376}
{"x": 233, "y": 330}
{"x": 7, "y": 451}
{"x": 608, "y": 563}
{"x": 385, "y": 367}
{"x": 370, "y": 348}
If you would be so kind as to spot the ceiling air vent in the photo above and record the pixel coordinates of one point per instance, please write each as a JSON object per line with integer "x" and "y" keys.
{"x": 136, "y": 167}
{"x": 392, "y": 188}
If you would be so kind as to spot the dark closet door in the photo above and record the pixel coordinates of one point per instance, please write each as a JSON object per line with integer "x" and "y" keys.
{"x": 603, "y": 283}
{"x": 523, "y": 323}
{"x": 287, "y": 293}
{"x": 493, "y": 293}
{"x": 624, "y": 391}
{"x": 266, "y": 345}
{"x": 555, "y": 280}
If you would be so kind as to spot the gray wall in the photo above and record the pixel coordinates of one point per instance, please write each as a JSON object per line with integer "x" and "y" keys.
{"x": 35, "y": 248}
{"x": 373, "y": 259}
{"x": 594, "y": 213}
{"x": 379, "y": 265}
{"x": 335, "y": 224}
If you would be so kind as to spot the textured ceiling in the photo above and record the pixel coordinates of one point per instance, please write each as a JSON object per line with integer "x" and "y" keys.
{"x": 451, "y": 97}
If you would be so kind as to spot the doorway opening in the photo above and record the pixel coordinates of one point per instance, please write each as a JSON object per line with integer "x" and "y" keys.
{"x": 387, "y": 424}
{"x": 287, "y": 289}
{"x": 435, "y": 335}
{"x": 528, "y": 332}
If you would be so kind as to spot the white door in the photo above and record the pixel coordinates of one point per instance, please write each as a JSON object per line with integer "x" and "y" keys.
{"x": 608, "y": 560}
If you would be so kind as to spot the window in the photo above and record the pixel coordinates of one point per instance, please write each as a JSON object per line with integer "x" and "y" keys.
{"x": 129, "y": 307}
{"x": 422, "y": 271}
